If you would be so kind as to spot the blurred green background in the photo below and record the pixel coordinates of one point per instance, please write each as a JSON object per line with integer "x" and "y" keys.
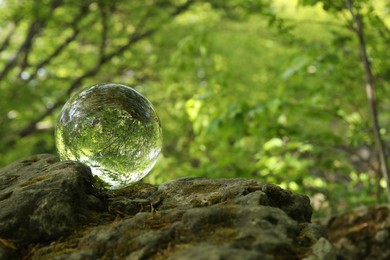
{"x": 266, "y": 89}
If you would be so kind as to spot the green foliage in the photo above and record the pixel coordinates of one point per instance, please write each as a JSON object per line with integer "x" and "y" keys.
{"x": 271, "y": 90}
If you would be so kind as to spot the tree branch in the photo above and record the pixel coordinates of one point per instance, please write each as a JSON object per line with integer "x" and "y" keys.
{"x": 61, "y": 47}
{"x": 371, "y": 95}
{"x": 133, "y": 38}
{"x": 7, "y": 38}
{"x": 25, "y": 47}
{"x": 383, "y": 30}
{"x": 104, "y": 32}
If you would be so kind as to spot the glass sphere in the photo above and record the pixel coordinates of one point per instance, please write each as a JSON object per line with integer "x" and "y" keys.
{"x": 113, "y": 129}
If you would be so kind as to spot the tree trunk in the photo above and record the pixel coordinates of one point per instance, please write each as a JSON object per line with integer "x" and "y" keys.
{"x": 371, "y": 95}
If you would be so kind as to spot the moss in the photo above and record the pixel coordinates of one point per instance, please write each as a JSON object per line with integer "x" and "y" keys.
{"x": 207, "y": 200}
{"x": 34, "y": 180}
{"x": 137, "y": 190}
{"x": 200, "y": 188}
{"x": 7, "y": 181}
{"x": 5, "y": 196}
{"x": 163, "y": 253}
{"x": 157, "y": 220}
{"x": 222, "y": 235}
{"x": 69, "y": 245}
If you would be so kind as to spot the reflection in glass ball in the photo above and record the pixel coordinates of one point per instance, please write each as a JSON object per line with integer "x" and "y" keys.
{"x": 113, "y": 129}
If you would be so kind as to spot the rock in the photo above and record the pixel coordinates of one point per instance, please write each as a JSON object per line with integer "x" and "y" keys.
{"x": 60, "y": 215}
{"x": 42, "y": 199}
{"x": 260, "y": 231}
{"x": 199, "y": 192}
{"x": 7, "y": 249}
{"x": 311, "y": 233}
{"x": 323, "y": 249}
{"x": 362, "y": 233}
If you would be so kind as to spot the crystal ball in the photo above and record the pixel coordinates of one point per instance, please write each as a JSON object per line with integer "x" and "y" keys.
{"x": 113, "y": 129}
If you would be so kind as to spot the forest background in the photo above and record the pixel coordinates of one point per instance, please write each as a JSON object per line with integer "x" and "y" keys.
{"x": 272, "y": 90}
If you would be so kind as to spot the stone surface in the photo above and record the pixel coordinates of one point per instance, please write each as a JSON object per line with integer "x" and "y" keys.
{"x": 50, "y": 210}
{"x": 258, "y": 232}
{"x": 362, "y": 233}
{"x": 198, "y": 192}
{"x": 42, "y": 199}
{"x": 323, "y": 249}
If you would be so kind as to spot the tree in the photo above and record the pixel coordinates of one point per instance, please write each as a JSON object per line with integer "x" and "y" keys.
{"x": 51, "y": 49}
{"x": 371, "y": 94}
{"x": 109, "y": 42}
{"x": 364, "y": 14}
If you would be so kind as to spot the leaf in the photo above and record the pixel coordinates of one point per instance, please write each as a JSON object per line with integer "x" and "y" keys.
{"x": 273, "y": 143}
{"x": 295, "y": 67}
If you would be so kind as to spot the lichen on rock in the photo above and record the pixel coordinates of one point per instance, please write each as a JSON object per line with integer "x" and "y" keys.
{"x": 52, "y": 211}
{"x": 42, "y": 199}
